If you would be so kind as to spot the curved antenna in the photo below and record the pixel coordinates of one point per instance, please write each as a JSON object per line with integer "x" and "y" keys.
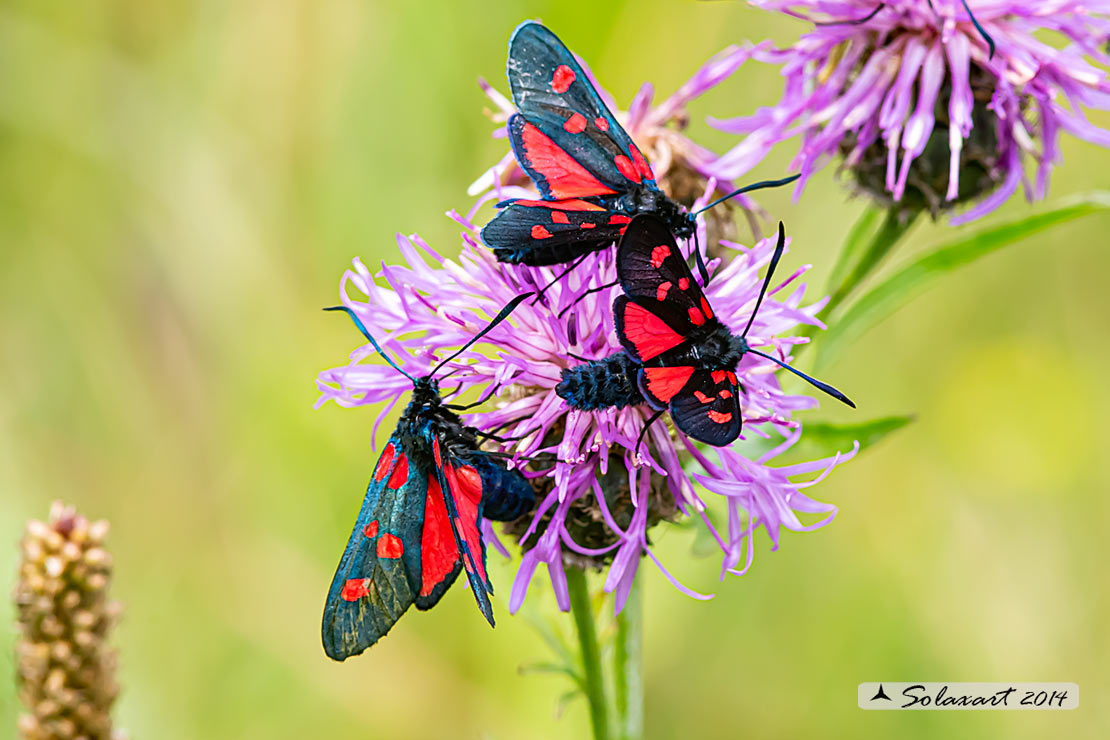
{"x": 812, "y": 381}
{"x": 982, "y": 32}
{"x": 647, "y": 425}
{"x": 362, "y": 328}
{"x": 767, "y": 280}
{"x": 748, "y": 188}
{"x": 854, "y": 21}
{"x": 702, "y": 269}
{"x": 975, "y": 22}
{"x": 504, "y": 314}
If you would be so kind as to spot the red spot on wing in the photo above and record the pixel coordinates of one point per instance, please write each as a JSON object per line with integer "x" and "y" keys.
{"x": 616, "y": 218}
{"x": 648, "y": 333}
{"x": 355, "y": 589}
{"x": 566, "y": 178}
{"x": 602, "y": 123}
{"x": 697, "y": 318}
{"x": 721, "y": 417}
{"x": 665, "y": 382}
{"x": 576, "y": 124}
{"x": 641, "y": 164}
{"x": 572, "y": 204}
{"x": 400, "y": 473}
{"x": 435, "y": 451}
{"x": 384, "y": 462}
{"x": 470, "y": 482}
{"x": 718, "y": 376}
{"x": 438, "y": 552}
{"x": 558, "y": 217}
{"x": 659, "y": 255}
{"x": 624, "y": 166}
{"x": 725, "y": 393}
{"x": 732, "y": 378}
{"x": 371, "y": 529}
{"x": 702, "y": 397}
{"x": 661, "y": 291}
{"x": 705, "y": 308}
{"x": 390, "y": 546}
{"x": 466, "y": 504}
{"x": 539, "y": 231}
{"x": 587, "y": 226}
{"x": 683, "y": 283}
{"x": 562, "y": 79}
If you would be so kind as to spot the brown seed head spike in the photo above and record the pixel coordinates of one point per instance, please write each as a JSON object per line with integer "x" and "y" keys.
{"x": 66, "y": 672}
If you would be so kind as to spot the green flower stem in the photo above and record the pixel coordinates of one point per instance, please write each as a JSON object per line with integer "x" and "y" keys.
{"x": 590, "y": 651}
{"x": 858, "y": 258}
{"x": 628, "y": 666}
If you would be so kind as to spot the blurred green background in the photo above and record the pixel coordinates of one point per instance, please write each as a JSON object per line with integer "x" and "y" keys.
{"x": 181, "y": 186}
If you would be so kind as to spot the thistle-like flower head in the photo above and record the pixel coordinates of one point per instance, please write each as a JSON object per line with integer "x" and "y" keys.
{"x": 598, "y": 492}
{"x": 929, "y": 105}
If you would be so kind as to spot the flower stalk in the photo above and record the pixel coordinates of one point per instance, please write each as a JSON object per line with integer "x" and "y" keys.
{"x": 628, "y": 677}
{"x": 896, "y": 224}
{"x": 589, "y": 650}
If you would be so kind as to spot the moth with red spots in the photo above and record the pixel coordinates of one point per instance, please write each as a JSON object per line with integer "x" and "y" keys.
{"x": 677, "y": 354}
{"x": 419, "y": 522}
{"x": 591, "y": 176}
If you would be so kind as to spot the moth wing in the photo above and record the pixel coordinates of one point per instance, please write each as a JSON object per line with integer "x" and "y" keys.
{"x": 378, "y": 575}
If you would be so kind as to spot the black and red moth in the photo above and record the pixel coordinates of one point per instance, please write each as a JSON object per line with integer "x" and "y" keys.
{"x": 591, "y": 176}
{"x": 419, "y": 522}
{"x": 677, "y": 355}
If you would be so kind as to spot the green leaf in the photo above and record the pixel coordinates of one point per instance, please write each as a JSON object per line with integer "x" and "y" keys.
{"x": 565, "y": 699}
{"x": 897, "y": 290}
{"x": 821, "y": 439}
{"x": 550, "y": 668}
{"x": 551, "y": 635}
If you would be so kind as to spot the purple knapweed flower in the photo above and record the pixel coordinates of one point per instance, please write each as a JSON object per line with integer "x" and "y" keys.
{"x": 681, "y": 166}
{"x": 597, "y": 495}
{"x": 924, "y": 116}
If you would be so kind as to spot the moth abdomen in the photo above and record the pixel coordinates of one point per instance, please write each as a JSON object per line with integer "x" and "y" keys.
{"x": 606, "y": 383}
{"x": 555, "y": 254}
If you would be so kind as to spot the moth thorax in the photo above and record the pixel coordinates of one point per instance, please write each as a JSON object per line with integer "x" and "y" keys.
{"x": 683, "y": 186}
{"x": 737, "y": 347}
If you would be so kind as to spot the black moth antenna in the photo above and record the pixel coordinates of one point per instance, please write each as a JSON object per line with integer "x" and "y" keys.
{"x": 702, "y": 269}
{"x": 982, "y": 31}
{"x": 854, "y": 21}
{"x": 362, "y": 328}
{"x": 748, "y": 188}
{"x": 763, "y": 292}
{"x": 501, "y": 316}
{"x": 974, "y": 21}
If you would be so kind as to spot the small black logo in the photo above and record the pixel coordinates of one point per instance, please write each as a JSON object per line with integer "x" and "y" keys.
{"x": 881, "y": 694}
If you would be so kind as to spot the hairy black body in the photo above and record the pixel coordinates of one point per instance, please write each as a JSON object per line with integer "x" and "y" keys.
{"x": 571, "y": 245}
{"x": 615, "y": 380}
{"x": 427, "y": 416}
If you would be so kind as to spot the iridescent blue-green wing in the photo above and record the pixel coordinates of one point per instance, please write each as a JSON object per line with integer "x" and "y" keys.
{"x": 379, "y": 575}
{"x": 567, "y": 127}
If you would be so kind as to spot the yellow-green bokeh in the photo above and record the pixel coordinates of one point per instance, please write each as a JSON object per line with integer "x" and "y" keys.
{"x": 181, "y": 186}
